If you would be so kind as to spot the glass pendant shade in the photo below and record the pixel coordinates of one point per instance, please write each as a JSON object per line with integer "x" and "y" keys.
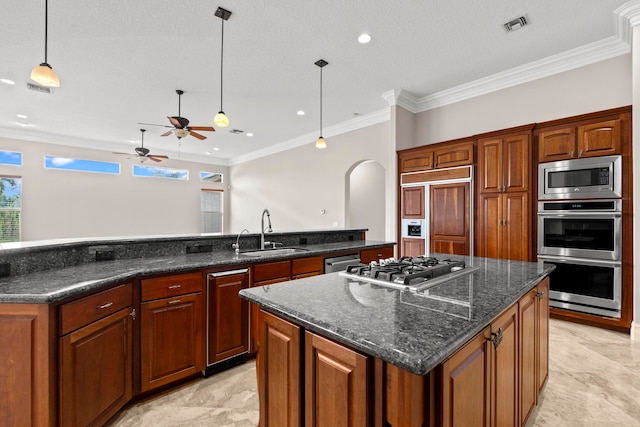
{"x": 44, "y": 75}
{"x": 221, "y": 119}
{"x": 321, "y": 143}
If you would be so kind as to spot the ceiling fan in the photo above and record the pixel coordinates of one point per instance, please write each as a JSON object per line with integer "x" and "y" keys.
{"x": 143, "y": 153}
{"x": 181, "y": 126}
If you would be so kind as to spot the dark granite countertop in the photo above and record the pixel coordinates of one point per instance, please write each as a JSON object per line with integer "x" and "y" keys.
{"x": 415, "y": 331}
{"x": 62, "y": 283}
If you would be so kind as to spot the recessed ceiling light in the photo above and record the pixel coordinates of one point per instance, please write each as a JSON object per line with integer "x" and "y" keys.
{"x": 7, "y": 81}
{"x": 216, "y": 149}
{"x": 207, "y": 153}
{"x": 300, "y": 113}
{"x": 364, "y": 38}
{"x": 250, "y": 134}
{"x": 24, "y": 124}
{"x": 21, "y": 116}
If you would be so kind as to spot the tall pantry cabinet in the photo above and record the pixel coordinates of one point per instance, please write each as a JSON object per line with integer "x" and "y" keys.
{"x": 503, "y": 225}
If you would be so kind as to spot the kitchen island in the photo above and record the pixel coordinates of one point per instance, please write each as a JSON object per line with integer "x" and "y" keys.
{"x": 469, "y": 351}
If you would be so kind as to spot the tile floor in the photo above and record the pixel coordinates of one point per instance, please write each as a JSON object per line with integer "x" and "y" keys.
{"x": 594, "y": 380}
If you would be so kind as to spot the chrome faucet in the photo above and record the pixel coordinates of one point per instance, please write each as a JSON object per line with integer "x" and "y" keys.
{"x": 236, "y": 245}
{"x": 270, "y": 230}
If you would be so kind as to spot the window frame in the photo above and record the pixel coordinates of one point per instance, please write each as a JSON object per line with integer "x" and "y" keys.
{"x": 19, "y": 209}
{"x": 212, "y": 190}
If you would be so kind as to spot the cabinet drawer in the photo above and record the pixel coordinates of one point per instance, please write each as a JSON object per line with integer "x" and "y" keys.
{"x": 168, "y": 286}
{"x": 271, "y": 270}
{"x": 307, "y": 265}
{"x": 76, "y": 314}
{"x": 368, "y": 255}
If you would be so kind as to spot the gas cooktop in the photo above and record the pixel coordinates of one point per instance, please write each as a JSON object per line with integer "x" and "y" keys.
{"x": 408, "y": 273}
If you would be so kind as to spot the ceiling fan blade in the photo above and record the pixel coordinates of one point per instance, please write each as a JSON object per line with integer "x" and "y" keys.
{"x": 197, "y": 135}
{"x": 174, "y": 121}
{"x": 167, "y": 133}
{"x": 157, "y": 156}
{"x": 154, "y": 159}
{"x": 207, "y": 128}
{"x": 179, "y": 122}
{"x": 153, "y": 124}
{"x": 121, "y": 154}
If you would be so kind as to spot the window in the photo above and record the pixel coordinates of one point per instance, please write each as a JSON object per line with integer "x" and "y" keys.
{"x": 10, "y": 158}
{"x": 10, "y": 203}
{"x": 211, "y": 211}
{"x": 156, "y": 172}
{"x": 210, "y": 177}
{"x": 53, "y": 162}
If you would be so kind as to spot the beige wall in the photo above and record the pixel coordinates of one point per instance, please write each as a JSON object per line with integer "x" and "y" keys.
{"x": 596, "y": 87}
{"x": 61, "y": 204}
{"x": 297, "y": 184}
{"x": 365, "y": 200}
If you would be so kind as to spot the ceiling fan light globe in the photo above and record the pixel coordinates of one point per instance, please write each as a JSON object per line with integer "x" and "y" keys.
{"x": 44, "y": 75}
{"x": 321, "y": 143}
{"x": 221, "y": 120}
{"x": 181, "y": 133}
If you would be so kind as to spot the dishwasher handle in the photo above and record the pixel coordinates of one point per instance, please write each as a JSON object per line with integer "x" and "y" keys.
{"x": 339, "y": 264}
{"x": 229, "y": 272}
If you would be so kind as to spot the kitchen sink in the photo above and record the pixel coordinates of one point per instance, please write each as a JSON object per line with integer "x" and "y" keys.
{"x": 279, "y": 251}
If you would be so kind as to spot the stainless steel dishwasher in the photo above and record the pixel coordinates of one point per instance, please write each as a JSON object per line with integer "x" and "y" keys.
{"x": 340, "y": 263}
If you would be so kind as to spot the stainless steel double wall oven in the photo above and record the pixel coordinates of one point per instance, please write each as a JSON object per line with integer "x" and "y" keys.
{"x": 582, "y": 236}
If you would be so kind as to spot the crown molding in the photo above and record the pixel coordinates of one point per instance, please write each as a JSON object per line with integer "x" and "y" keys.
{"x": 403, "y": 99}
{"x": 356, "y": 123}
{"x": 628, "y": 16}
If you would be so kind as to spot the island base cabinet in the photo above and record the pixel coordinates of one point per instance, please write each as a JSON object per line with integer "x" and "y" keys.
{"x": 279, "y": 369}
{"x": 336, "y": 384}
{"x": 95, "y": 370}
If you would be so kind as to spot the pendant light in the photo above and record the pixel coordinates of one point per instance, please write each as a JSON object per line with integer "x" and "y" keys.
{"x": 320, "y": 142}
{"x": 221, "y": 119}
{"x": 43, "y": 74}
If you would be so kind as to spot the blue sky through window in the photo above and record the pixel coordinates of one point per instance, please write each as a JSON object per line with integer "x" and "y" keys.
{"x": 156, "y": 172}
{"x": 53, "y": 162}
{"x": 210, "y": 177}
{"x": 10, "y": 158}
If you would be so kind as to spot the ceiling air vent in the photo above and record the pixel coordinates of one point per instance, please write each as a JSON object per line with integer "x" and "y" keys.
{"x": 38, "y": 88}
{"x": 515, "y": 24}
{"x": 236, "y": 131}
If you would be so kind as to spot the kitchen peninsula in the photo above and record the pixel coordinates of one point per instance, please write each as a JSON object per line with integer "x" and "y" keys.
{"x": 340, "y": 351}
{"x": 87, "y": 325}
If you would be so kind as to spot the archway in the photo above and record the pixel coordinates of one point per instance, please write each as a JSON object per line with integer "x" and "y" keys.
{"x": 365, "y": 192}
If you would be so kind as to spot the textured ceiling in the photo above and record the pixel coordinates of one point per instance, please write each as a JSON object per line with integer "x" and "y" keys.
{"x": 120, "y": 63}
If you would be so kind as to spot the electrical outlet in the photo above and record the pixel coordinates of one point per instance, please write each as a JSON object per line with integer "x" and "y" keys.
{"x": 105, "y": 255}
{"x": 5, "y": 269}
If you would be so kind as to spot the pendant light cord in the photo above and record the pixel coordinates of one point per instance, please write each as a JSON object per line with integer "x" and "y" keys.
{"x": 221, "y": 64}
{"x": 321, "y": 102}
{"x": 46, "y": 25}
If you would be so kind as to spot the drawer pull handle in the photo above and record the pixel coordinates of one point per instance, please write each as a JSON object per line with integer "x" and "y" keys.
{"x": 175, "y": 301}
{"x": 540, "y": 295}
{"x": 175, "y": 286}
{"x": 102, "y": 307}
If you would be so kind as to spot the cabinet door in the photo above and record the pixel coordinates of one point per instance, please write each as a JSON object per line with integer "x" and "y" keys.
{"x": 254, "y": 316}
{"x": 490, "y": 161}
{"x": 96, "y": 370}
{"x": 228, "y": 328}
{"x": 413, "y": 202}
{"x": 172, "y": 339}
{"x": 489, "y": 226}
{"x": 505, "y": 370}
{"x": 528, "y": 387}
{"x": 415, "y": 160}
{"x": 336, "y": 384}
{"x": 466, "y": 384}
{"x": 557, "y": 144}
{"x": 515, "y": 225}
{"x": 543, "y": 333}
{"x": 413, "y": 247}
{"x": 449, "y": 218}
{"x": 516, "y": 172}
{"x": 279, "y": 373}
{"x": 368, "y": 255}
{"x": 453, "y": 155}
{"x": 599, "y": 139}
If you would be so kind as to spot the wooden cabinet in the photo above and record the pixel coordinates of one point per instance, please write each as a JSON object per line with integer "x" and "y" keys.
{"x": 443, "y": 155}
{"x": 264, "y": 274}
{"x": 336, "y": 384}
{"x": 503, "y": 163}
{"x": 171, "y": 329}
{"x": 542, "y": 334}
{"x": 466, "y": 384}
{"x": 279, "y": 368}
{"x": 227, "y": 315}
{"x": 95, "y": 357}
{"x": 413, "y": 202}
{"x": 503, "y": 223}
{"x": 600, "y": 138}
{"x": 505, "y": 369}
{"x": 449, "y": 214}
{"x": 307, "y": 267}
{"x": 374, "y": 254}
{"x": 413, "y": 247}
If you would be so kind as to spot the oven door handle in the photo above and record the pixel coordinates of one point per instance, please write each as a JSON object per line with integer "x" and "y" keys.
{"x": 582, "y": 214}
{"x": 580, "y": 261}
